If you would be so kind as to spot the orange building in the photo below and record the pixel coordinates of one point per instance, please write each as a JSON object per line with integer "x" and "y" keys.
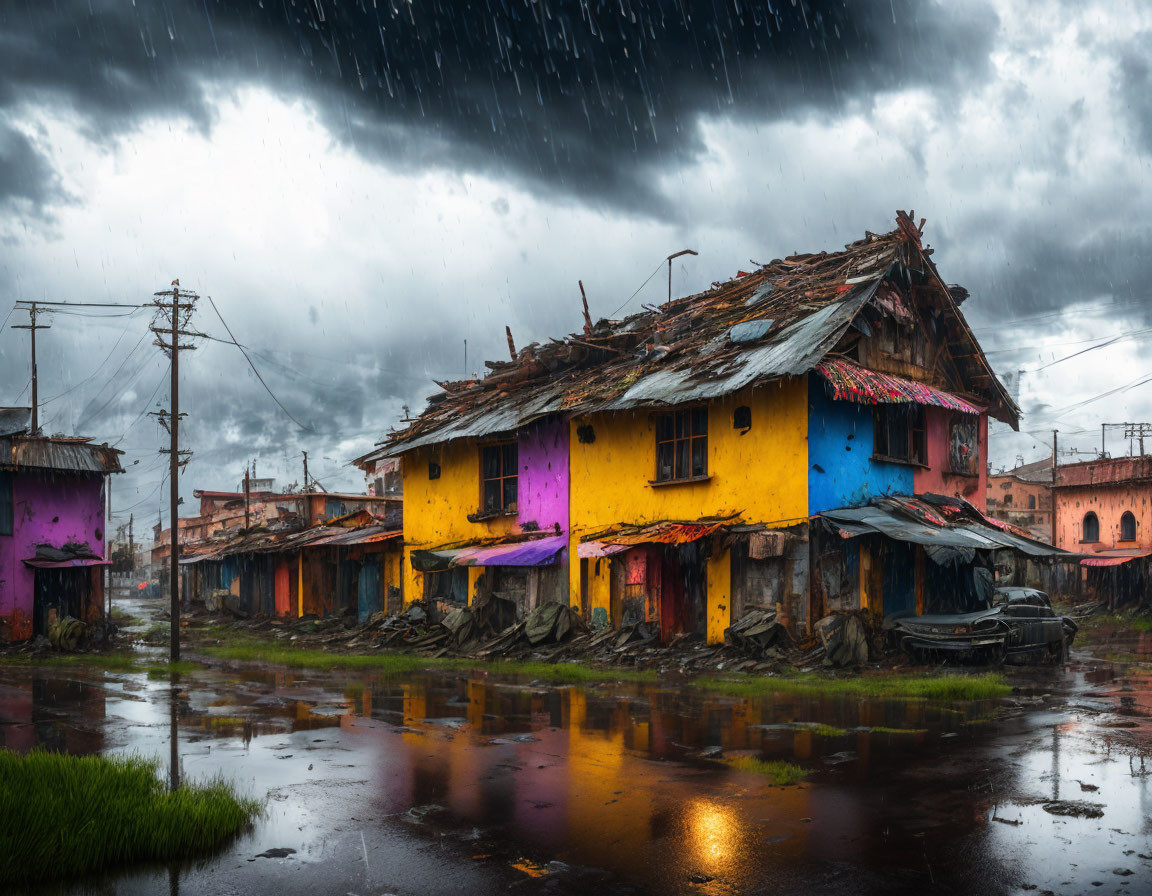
{"x": 1023, "y": 497}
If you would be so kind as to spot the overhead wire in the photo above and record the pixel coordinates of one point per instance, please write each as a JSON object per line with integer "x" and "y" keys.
{"x": 254, "y": 370}
{"x": 659, "y": 267}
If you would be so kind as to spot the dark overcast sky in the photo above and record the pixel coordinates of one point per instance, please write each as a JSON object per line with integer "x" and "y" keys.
{"x": 361, "y": 186}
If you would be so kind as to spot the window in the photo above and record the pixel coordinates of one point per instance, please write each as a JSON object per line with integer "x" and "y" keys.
{"x": 1128, "y": 527}
{"x": 682, "y": 445}
{"x": 899, "y": 433}
{"x": 498, "y": 477}
{"x": 6, "y": 515}
{"x": 1091, "y": 527}
{"x": 1008, "y": 500}
{"x": 963, "y": 445}
{"x": 1031, "y": 502}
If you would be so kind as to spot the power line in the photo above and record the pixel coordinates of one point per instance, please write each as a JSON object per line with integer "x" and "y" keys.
{"x": 83, "y": 304}
{"x": 659, "y": 267}
{"x": 99, "y": 367}
{"x": 254, "y": 370}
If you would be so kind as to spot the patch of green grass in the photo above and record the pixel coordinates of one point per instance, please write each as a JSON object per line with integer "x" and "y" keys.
{"x": 988, "y": 686}
{"x": 68, "y": 815}
{"x": 322, "y": 660}
{"x": 123, "y": 619}
{"x": 112, "y": 662}
{"x": 897, "y": 732}
{"x": 164, "y": 669}
{"x": 778, "y": 771}
{"x": 400, "y": 663}
{"x": 157, "y": 633}
{"x": 1131, "y": 623}
{"x": 822, "y": 730}
{"x": 109, "y": 662}
{"x": 569, "y": 672}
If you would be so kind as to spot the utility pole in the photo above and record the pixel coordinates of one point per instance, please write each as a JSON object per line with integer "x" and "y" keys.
{"x": 1103, "y": 428}
{"x": 131, "y": 547}
{"x": 32, "y": 327}
{"x": 670, "y": 257}
{"x": 247, "y": 500}
{"x": 179, "y": 314}
{"x": 1055, "y": 432}
{"x": 307, "y": 492}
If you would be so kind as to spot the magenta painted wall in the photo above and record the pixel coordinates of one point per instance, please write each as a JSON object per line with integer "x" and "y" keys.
{"x": 543, "y": 486}
{"x": 936, "y": 479}
{"x": 48, "y": 508}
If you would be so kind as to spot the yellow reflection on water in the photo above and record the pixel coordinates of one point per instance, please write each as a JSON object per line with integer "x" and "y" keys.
{"x": 713, "y": 834}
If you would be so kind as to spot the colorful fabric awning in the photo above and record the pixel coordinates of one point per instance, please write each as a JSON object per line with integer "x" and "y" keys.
{"x": 537, "y": 552}
{"x": 1111, "y": 559}
{"x": 851, "y": 382}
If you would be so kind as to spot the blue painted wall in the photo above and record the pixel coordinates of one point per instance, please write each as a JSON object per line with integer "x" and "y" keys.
{"x": 841, "y": 472}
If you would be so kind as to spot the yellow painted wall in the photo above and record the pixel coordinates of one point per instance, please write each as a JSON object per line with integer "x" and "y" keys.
{"x": 719, "y": 601}
{"x": 762, "y": 475}
{"x": 436, "y": 510}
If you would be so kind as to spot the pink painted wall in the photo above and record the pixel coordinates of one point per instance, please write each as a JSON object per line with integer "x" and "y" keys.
{"x": 48, "y": 508}
{"x": 1109, "y": 503}
{"x": 936, "y": 479}
{"x": 543, "y": 486}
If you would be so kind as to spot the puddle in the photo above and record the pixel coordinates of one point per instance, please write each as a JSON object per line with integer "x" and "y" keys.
{"x": 426, "y": 783}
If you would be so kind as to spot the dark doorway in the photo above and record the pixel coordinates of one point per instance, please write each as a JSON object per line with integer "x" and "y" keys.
{"x": 58, "y": 593}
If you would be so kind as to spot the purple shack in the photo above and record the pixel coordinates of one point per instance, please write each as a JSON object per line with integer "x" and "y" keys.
{"x": 52, "y": 527}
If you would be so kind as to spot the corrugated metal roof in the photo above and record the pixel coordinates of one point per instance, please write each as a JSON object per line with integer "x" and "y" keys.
{"x": 61, "y": 455}
{"x": 701, "y": 347}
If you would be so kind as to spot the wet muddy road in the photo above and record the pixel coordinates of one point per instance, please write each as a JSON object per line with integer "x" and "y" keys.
{"x": 451, "y": 782}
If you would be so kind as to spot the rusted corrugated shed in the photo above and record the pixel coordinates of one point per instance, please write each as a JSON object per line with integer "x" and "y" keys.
{"x": 71, "y": 455}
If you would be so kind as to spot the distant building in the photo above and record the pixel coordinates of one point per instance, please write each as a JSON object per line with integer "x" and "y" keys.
{"x": 53, "y": 539}
{"x": 1023, "y": 497}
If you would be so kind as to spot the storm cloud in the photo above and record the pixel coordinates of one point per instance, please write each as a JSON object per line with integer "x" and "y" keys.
{"x": 585, "y": 98}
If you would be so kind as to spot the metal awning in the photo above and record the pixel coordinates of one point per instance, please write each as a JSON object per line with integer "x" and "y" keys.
{"x": 607, "y": 544}
{"x": 933, "y": 521}
{"x": 851, "y": 382}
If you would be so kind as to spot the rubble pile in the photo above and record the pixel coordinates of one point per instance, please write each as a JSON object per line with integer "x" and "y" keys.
{"x": 554, "y": 632}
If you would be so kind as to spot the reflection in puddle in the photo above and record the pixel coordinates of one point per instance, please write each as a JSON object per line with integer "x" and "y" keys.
{"x": 538, "y": 782}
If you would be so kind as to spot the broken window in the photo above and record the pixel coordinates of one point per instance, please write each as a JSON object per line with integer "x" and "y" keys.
{"x": 1031, "y": 502}
{"x": 498, "y": 475}
{"x": 6, "y": 515}
{"x": 1091, "y": 527}
{"x": 682, "y": 445}
{"x": 899, "y": 433}
{"x": 1127, "y": 527}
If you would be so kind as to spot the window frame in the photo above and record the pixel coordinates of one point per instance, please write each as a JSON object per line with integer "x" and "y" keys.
{"x": 687, "y": 427}
{"x": 1084, "y": 539}
{"x": 7, "y": 503}
{"x": 913, "y": 427}
{"x": 503, "y": 506}
{"x": 1125, "y": 517}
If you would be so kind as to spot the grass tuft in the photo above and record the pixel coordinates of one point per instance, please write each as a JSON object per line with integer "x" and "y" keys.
{"x": 69, "y": 815}
{"x": 780, "y": 772}
{"x": 988, "y": 686}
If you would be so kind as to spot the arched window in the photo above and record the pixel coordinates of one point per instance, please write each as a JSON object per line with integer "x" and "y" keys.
{"x": 1128, "y": 527}
{"x": 1091, "y": 527}
{"x": 1031, "y": 502}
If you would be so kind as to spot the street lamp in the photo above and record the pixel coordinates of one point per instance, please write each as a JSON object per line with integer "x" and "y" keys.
{"x": 670, "y": 257}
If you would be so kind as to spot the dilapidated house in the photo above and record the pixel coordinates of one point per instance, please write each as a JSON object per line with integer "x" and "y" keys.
{"x": 671, "y": 467}
{"x": 53, "y": 533}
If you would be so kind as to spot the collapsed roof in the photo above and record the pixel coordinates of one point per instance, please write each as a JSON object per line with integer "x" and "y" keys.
{"x": 778, "y": 321}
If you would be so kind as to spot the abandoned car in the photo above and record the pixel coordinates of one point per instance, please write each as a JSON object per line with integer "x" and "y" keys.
{"x": 1020, "y": 626}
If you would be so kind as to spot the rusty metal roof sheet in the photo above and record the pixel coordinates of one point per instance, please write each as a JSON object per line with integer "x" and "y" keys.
{"x": 702, "y": 347}
{"x": 61, "y": 455}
